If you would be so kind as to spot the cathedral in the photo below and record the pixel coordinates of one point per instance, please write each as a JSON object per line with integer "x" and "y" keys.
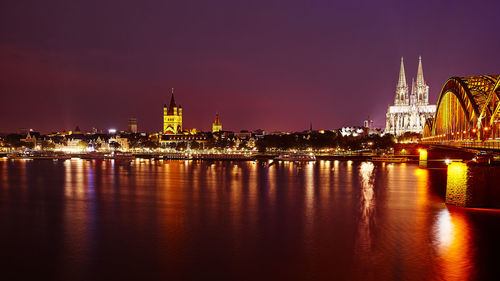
{"x": 410, "y": 110}
{"x": 172, "y": 117}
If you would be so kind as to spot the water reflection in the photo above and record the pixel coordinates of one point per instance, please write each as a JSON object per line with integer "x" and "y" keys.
{"x": 367, "y": 202}
{"x": 232, "y": 220}
{"x": 453, "y": 245}
{"x": 367, "y": 181}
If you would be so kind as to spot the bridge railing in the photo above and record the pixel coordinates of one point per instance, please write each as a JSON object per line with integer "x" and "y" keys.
{"x": 486, "y": 144}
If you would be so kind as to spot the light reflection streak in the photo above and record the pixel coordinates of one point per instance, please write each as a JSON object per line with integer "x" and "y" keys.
{"x": 309, "y": 187}
{"x": 324, "y": 183}
{"x": 271, "y": 193}
{"x": 367, "y": 203}
{"x": 252, "y": 196}
{"x": 349, "y": 177}
{"x": 336, "y": 177}
{"x": 4, "y": 177}
{"x": 77, "y": 215}
{"x": 453, "y": 245}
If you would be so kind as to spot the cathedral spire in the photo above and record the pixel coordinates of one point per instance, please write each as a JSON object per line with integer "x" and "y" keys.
{"x": 401, "y": 88}
{"x": 420, "y": 72}
{"x": 172, "y": 100}
{"x": 402, "y": 77}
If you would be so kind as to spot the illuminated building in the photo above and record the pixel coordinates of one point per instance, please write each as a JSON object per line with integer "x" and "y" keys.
{"x": 31, "y": 137}
{"x": 123, "y": 142}
{"x": 368, "y": 123}
{"x": 172, "y": 117}
{"x": 166, "y": 140}
{"x": 409, "y": 112}
{"x": 217, "y": 125}
{"x": 132, "y": 125}
{"x": 358, "y": 131}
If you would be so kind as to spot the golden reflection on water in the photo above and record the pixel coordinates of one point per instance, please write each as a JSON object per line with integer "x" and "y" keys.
{"x": 422, "y": 187}
{"x": 336, "y": 176}
{"x": 271, "y": 193}
{"x": 366, "y": 170}
{"x": 78, "y": 183}
{"x": 4, "y": 175}
{"x": 325, "y": 184}
{"x": 309, "y": 197}
{"x": 453, "y": 245}
{"x": 457, "y": 192}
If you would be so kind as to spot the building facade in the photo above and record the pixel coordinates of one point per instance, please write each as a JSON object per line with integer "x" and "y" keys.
{"x": 410, "y": 109}
{"x": 216, "y": 125}
{"x": 132, "y": 125}
{"x": 172, "y": 117}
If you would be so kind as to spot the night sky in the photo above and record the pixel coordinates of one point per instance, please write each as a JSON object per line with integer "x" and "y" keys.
{"x": 275, "y": 65}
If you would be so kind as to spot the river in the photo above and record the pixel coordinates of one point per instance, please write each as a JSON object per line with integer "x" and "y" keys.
{"x": 231, "y": 220}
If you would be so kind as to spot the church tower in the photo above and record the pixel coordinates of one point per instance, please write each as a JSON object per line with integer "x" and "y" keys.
{"x": 401, "y": 88}
{"x": 216, "y": 125}
{"x": 422, "y": 90}
{"x": 172, "y": 117}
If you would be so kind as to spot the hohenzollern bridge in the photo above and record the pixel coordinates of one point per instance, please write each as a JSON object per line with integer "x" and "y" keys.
{"x": 467, "y": 114}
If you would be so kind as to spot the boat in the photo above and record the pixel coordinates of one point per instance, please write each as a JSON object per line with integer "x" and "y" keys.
{"x": 389, "y": 158}
{"x": 15, "y": 156}
{"x": 222, "y": 156}
{"x": 296, "y": 157}
{"x": 62, "y": 157}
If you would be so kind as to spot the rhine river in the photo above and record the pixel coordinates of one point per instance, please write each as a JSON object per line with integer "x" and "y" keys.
{"x": 196, "y": 220}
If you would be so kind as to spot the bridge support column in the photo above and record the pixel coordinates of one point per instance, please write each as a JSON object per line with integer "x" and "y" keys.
{"x": 422, "y": 161}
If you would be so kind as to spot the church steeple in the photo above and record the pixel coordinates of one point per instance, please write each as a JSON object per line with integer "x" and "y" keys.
{"x": 172, "y": 100}
{"x": 402, "y": 76}
{"x": 422, "y": 89}
{"x": 217, "y": 120}
{"x": 401, "y": 88}
{"x": 420, "y": 72}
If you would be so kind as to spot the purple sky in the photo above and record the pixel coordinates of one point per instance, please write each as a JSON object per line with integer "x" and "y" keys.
{"x": 260, "y": 64}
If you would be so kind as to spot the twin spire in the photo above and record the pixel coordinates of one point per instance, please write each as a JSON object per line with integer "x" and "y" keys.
{"x": 420, "y": 91}
{"x": 420, "y": 74}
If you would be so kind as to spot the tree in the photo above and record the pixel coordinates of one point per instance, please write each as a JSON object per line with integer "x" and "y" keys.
{"x": 150, "y": 144}
{"x": 14, "y": 140}
{"x": 48, "y": 145}
{"x": 114, "y": 145}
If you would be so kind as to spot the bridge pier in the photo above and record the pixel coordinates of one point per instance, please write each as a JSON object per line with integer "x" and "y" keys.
{"x": 422, "y": 160}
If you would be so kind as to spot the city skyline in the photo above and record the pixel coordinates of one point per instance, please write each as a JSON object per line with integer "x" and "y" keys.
{"x": 249, "y": 140}
{"x": 302, "y": 63}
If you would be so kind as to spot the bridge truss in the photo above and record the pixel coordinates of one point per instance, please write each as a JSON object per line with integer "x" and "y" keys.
{"x": 467, "y": 113}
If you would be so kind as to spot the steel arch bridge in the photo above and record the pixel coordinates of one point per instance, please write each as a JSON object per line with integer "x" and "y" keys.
{"x": 467, "y": 113}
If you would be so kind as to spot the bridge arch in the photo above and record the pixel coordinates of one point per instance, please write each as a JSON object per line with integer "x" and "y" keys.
{"x": 468, "y": 108}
